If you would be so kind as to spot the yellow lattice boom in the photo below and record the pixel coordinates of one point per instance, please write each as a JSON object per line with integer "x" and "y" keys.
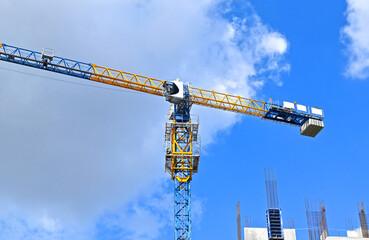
{"x": 198, "y": 96}
{"x": 127, "y": 80}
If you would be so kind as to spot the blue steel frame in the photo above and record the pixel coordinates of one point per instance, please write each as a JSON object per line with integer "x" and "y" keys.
{"x": 182, "y": 210}
{"x": 57, "y": 64}
{"x": 274, "y": 223}
{"x": 277, "y": 113}
{"x": 182, "y": 190}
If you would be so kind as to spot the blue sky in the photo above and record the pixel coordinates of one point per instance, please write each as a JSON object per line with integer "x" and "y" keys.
{"x": 88, "y": 163}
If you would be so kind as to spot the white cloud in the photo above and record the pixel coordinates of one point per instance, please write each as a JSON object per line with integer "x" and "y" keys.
{"x": 72, "y": 153}
{"x": 18, "y": 225}
{"x": 356, "y": 37}
{"x": 274, "y": 44}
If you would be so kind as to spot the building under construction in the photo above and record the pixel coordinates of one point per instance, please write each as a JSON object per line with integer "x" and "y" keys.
{"x": 317, "y": 226}
{"x": 316, "y": 217}
{"x": 274, "y": 229}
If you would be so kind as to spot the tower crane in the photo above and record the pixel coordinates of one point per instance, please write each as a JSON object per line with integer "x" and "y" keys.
{"x": 181, "y": 131}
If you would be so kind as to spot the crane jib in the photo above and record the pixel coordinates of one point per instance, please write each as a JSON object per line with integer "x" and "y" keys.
{"x": 266, "y": 110}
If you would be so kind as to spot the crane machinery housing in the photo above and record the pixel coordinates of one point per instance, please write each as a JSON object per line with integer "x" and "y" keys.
{"x": 181, "y": 131}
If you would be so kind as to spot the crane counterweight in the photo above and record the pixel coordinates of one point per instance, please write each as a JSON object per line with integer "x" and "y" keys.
{"x": 311, "y": 127}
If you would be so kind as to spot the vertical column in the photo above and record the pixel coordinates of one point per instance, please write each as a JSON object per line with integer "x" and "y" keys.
{"x": 363, "y": 222}
{"x": 181, "y": 146}
{"x": 323, "y": 222}
{"x": 182, "y": 210}
{"x": 274, "y": 213}
{"x": 238, "y": 222}
{"x": 181, "y": 161}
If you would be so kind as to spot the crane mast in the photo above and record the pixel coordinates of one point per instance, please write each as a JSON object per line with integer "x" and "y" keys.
{"x": 182, "y": 154}
{"x": 181, "y": 130}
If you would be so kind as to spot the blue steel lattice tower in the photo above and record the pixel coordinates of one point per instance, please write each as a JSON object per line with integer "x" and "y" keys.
{"x": 274, "y": 213}
{"x": 182, "y": 156}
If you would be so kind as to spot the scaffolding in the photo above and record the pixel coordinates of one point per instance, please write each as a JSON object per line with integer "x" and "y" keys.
{"x": 182, "y": 154}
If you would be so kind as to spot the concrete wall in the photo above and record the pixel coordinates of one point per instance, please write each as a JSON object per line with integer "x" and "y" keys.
{"x": 355, "y": 233}
{"x": 345, "y": 238}
{"x": 262, "y": 234}
{"x": 351, "y": 235}
{"x": 290, "y": 234}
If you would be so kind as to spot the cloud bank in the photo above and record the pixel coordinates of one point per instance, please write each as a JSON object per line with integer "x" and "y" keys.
{"x": 77, "y": 162}
{"x": 355, "y": 36}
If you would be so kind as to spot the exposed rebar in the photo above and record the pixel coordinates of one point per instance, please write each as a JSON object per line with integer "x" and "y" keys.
{"x": 239, "y": 222}
{"x": 363, "y": 222}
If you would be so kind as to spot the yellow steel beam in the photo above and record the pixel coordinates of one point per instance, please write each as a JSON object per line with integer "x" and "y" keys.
{"x": 227, "y": 102}
{"x": 127, "y": 80}
{"x": 199, "y": 96}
